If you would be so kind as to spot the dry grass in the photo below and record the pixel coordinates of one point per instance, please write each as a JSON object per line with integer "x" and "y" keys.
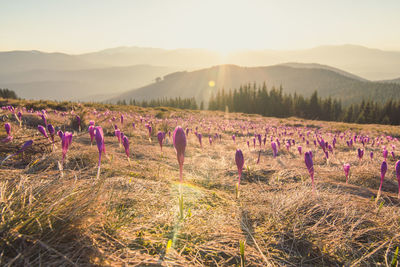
{"x": 130, "y": 215}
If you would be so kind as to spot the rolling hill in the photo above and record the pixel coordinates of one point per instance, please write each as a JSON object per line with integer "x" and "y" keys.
{"x": 82, "y": 84}
{"x": 293, "y": 79}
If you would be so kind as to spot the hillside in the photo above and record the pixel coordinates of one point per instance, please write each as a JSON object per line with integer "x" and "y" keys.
{"x": 293, "y": 79}
{"x": 80, "y": 84}
{"x": 135, "y": 210}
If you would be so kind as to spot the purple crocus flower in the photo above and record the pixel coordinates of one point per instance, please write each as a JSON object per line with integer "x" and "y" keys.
{"x": 179, "y": 141}
{"x": 25, "y": 146}
{"x": 199, "y": 136}
{"x": 385, "y": 154}
{"x": 51, "y": 130}
{"x": 78, "y": 121}
{"x": 125, "y": 142}
{"x": 360, "y": 153}
{"x": 60, "y": 134}
{"x": 22, "y": 149}
{"x": 100, "y": 146}
{"x": 274, "y": 149}
{"x": 122, "y": 119}
{"x": 91, "y": 133}
{"x": 371, "y": 155}
{"x": 383, "y": 172}
{"x": 44, "y": 119}
{"x": 65, "y": 143}
{"x": 310, "y": 167}
{"x": 239, "y": 159}
{"x": 393, "y": 155}
{"x": 160, "y": 137}
{"x": 397, "y": 167}
{"x": 7, "y": 127}
{"x": 117, "y": 133}
{"x": 19, "y": 115}
{"x": 42, "y": 130}
{"x": 346, "y": 168}
{"x": 234, "y": 138}
{"x": 299, "y": 148}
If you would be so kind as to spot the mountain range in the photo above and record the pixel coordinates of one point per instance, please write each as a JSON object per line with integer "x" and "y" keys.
{"x": 125, "y": 72}
{"x": 294, "y": 78}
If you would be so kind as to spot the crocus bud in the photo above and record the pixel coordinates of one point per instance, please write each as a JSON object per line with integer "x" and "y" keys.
{"x": 125, "y": 142}
{"x": 60, "y": 134}
{"x": 383, "y": 172}
{"x": 117, "y": 133}
{"x": 346, "y": 168}
{"x": 310, "y": 167}
{"x": 65, "y": 143}
{"x": 274, "y": 149}
{"x": 7, "y": 127}
{"x": 100, "y": 140}
{"x": 160, "y": 137}
{"x": 51, "y": 130}
{"x": 360, "y": 153}
{"x": 78, "y": 120}
{"x": 91, "y": 132}
{"x": 42, "y": 130}
{"x": 385, "y": 154}
{"x": 398, "y": 175}
{"x": 179, "y": 141}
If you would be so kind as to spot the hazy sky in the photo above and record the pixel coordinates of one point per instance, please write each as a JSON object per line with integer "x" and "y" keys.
{"x": 77, "y": 26}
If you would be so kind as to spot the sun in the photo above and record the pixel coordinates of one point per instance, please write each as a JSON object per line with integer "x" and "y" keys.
{"x": 211, "y": 83}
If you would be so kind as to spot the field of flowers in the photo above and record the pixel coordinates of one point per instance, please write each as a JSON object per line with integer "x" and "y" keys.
{"x": 117, "y": 185}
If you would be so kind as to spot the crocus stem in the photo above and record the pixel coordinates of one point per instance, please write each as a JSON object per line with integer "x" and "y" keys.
{"x": 180, "y": 202}
{"x": 312, "y": 183}
{"x": 98, "y": 172}
{"x": 379, "y": 192}
{"x": 180, "y": 172}
{"x": 99, "y": 164}
{"x": 129, "y": 161}
{"x": 61, "y": 167}
{"x": 398, "y": 179}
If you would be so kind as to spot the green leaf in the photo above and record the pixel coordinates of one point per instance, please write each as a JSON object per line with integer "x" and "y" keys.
{"x": 394, "y": 261}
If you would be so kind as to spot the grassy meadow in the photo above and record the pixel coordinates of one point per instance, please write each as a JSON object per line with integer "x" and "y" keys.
{"x": 129, "y": 216}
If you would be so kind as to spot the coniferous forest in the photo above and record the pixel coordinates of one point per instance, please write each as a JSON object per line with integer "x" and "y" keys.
{"x": 259, "y": 100}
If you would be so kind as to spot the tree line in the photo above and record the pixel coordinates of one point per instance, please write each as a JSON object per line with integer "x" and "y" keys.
{"x": 177, "y": 102}
{"x": 6, "y": 93}
{"x": 259, "y": 100}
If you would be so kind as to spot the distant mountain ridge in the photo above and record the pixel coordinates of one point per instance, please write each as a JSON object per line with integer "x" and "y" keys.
{"x": 369, "y": 63}
{"x": 60, "y": 76}
{"x": 305, "y": 81}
